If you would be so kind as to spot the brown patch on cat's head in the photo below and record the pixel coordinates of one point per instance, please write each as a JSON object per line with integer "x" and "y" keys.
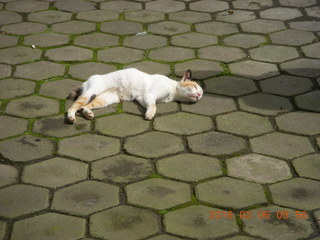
{"x": 188, "y": 84}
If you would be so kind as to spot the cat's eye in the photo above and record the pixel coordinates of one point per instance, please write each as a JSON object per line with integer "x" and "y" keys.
{"x": 195, "y": 87}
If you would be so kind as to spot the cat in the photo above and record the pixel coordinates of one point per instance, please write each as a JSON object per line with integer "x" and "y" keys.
{"x": 129, "y": 85}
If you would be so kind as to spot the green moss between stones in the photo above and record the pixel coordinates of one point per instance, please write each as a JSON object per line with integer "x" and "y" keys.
{"x": 154, "y": 176}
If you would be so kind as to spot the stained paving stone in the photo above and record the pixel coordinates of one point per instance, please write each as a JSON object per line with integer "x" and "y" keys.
{"x": 252, "y": 4}
{"x": 210, "y": 105}
{"x": 290, "y": 229}
{"x": 145, "y": 16}
{"x": 231, "y": 193}
{"x": 308, "y": 166}
{"x": 39, "y": 70}
{"x": 60, "y": 88}
{"x": 27, "y": 6}
{"x": 32, "y": 107}
{"x": 258, "y": 168}
{"x": 312, "y": 50}
{"x": 168, "y": 28}
{"x": 281, "y": 13}
{"x": 158, "y": 193}
{"x": 244, "y": 40}
{"x": 311, "y": 26}
{"x": 86, "y": 198}
{"x": 151, "y": 67}
{"x": 189, "y": 16}
{"x": 264, "y": 103}
{"x": 7, "y": 17}
{"x": 271, "y": 53}
{"x": 8, "y": 175}
{"x": 24, "y": 28}
{"x": 217, "y": 28}
{"x": 262, "y": 26}
{"x": 69, "y": 53}
{"x": 121, "y": 125}
{"x": 162, "y": 108}
{"x": 7, "y": 40}
{"x": 243, "y": 123}
{"x": 97, "y": 15}
{"x": 194, "y": 40}
{"x": 11, "y": 126}
{"x": 54, "y": 225}
{"x": 18, "y": 200}
{"x": 121, "y": 169}
{"x": 49, "y": 17}
{"x": 73, "y": 27}
{"x": 55, "y": 172}
{"x": 200, "y": 68}
{"x": 120, "y": 6}
{"x": 5, "y": 70}
{"x": 85, "y": 70}
{"x": 281, "y": 145}
{"x": 215, "y": 143}
{"x": 308, "y": 101}
{"x": 172, "y": 54}
{"x": 299, "y": 193}
{"x": 292, "y": 37}
{"x": 209, "y": 6}
{"x": 261, "y": 69}
{"x": 194, "y": 222}
{"x": 46, "y": 39}
{"x": 230, "y": 85}
{"x": 153, "y": 144}
{"x": 75, "y": 5}
{"x": 189, "y": 167}
{"x": 286, "y": 85}
{"x": 221, "y": 53}
{"x": 120, "y": 55}
{"x": 89, "y": 147}
{"x": 121, "y": 27}
{"x": 236, "y": 16}
{"x": 30, "y": 147}
{"x": 145, "y": 41}
{"x": 19, "y": 54}
{"x": 124, "y": 222}
{"x": 96, "y": 40}
{"x": 166, "y": 6}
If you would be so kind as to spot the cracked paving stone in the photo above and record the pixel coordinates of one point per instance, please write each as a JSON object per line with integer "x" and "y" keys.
{"x": 280, "y": 13}
{"x": 151, "y": 68}
{"x": 243, "y": 123}
{"x": 18, "y": 200}
{"x": 216, "y": 143}
{"x": 55, "y": 172}
{"x": 69, "y": 53}
{"x": 217, "y": 28}
{"x": 209, "y": 6}
{"x": 97, "y": 15}
{"x": 299, "y": 193}
{"x": 5, "y": 70}
{"x": 282, "y": 145}
{"x": 292, "y": 37}
{"x": 262, "y": 26}
{"x": 236, "y": 17}
{"x": 86, "y": 198}
{"x": 276, "y": 54}
{"x": 231, "y": 193}
{"x": 165, "y": 6}
{"x": 168, "y": 28}
{"x": 121, "y": 27}
{"x": 11, "y": 126}
{"x": 120, "y": 6}
{"x": 252, "y": 4}
{"x": 312, "y": 50}
{"x": 172, "y": 54}
{"x": 75, "y": 5}
{"x": 158, "y": 193}
{"x": 189, "y": 167}
{"x": 7, "y": 41}
{"x": 89, "y": 147}
{"x": 8, "y": 175}
{"x": 24, "y": 28}
{"x": 222, "y": 54}
{"x": 194, "y": 40}
{"x": 49, "y": 16}
{"x": 121, "y": 169}
{"x": 244, "y": 40}
{"x": 289, "y": 229}
{"x": 124, "y": 222}
{"x": 145, "y": 16}
{"x": 53, "y": 225}
{"x": 258, "y": 168}
{"x": 85, "y": 70}
{"x": 189, "y": 16}
{"x": 46, "y": 39}
{"x": 120, "y": 55}
{"x": 308, "y": 166}
{"x": 7, "y": 17}
{"x": 145, "y": 41}
{"x": 194, "y": 222}
{"x": 309, "y": 101}
{"x": 153, "y": 144}
{"x": 96, "y": 40}
{"x": 60, "y": 88}
{"x": 19, "y": 54}
{"x": 27, "y": 6}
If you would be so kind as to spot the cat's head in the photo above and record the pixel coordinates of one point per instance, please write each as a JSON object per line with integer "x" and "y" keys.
{"x": 187, "y": 90}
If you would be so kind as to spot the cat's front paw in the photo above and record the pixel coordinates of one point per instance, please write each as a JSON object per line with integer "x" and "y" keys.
{"x": 71, "y": 120}
{"x": 149, "y": 116}
{"x": 87, "y": 113}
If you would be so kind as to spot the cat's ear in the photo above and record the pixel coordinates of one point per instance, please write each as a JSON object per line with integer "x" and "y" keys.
{"x": 187, "y": 76}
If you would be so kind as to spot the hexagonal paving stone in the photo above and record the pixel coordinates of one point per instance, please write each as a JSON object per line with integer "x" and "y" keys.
{"x": 252, "y": 4}
{"x": 262, "y": 26}
{"x": 243, "y": 123}
{"x": 258, "y": 168}
{"x": 136, "y": 108}
{"x": 312, "y": 50}
{"x": 30, "y": 148}
{"x": 49, "y": 16}
{"x": 59, "y": 89}
{"x": 85, "y": 70}
{"x": 194, "y": 40}
{"x": 158, "y": 193}
{"x": 209, "y": 6}
{"x": 168, "y": 28}
{"x": 309, "y": 101}
{"x": 292, "y": 37}
{"x": 297, "y": 3}
{"x": 231, "y": 193}
{"x": 311, "y": 26}
{"x": 270, "y": 53}
{"x": 5, "y": 70}
{"x": 194, "y": 222}
{"x": 75, "y": 5}
{"x": 153, "y": 144}
{"x": 9, "y": 17}
{"x": 281, "y": 145}
{"x": 8, "y": 176}
{"x": 121, "y": 125}
{"x": 299, "y": 193}
{"x": 89, "y": 147}
{"x": 19, "y": 54}
{"x": 11, "y": 126}
{"x": 302, "y": 67}
{"x": 189, "y": 167}
{"x": 172, "y": 54}
{"x": 18, "y": 200}
{"x": 217, "y": 28}
{"x": 236, "y": 16}
{"x": 10, "y": 88}
{"x": 73, "y": 27}
{"x": 24, "y": 28}
{"x": 165, "y": 6}
{"x": 97, "y": 15}
{"x": 308, "y": 166}
{"x": 39, "y": 70}
{"x": 121, "y": 169}
{"x": 46, "y": 39}
{"x": 55, "y": 172}
{"x": 56, "y": 226}
{"x": 244, "y": 40}
{"x": 210, "y": 105}
{"x": 120, "y": 6}
{"x": 27, "y": 6}
{"x": 69, "y": 53}
{"x": 223, "y": 54}
{"x": 183, "y": 123}
{"x": 289, "y": 229}
{"x": 96, "y": 40}
{"x": 189, "y": 16}
{"x": 253, "y": 69}
{"x": 121, "y": 27}
{"x": 313, "y": 11}
{"x": 305, "y": 123}
{"x": 216, "y": 143}
{"x": 151, "y": 67}
{"x": 124, "y": 222}
{"x": 145, "y": 16}
{"x": 281, "y": 13}
{"x": 86, "y": 198}
{"x": 120, "y": 55}
{"x": 286, "y": 85}
{"x": 31, "y": 107}
{"x": 264, "y": 103}
{"x": 145, "y": 41}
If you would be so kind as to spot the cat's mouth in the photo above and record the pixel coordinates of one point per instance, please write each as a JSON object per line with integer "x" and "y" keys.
{"x": 196, "y": 97}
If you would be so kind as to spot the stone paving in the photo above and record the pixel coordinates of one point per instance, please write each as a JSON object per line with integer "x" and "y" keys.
{"x": 241, "y": 164}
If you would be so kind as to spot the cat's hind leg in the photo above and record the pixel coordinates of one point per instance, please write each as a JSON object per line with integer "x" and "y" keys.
{"x": 79, "y": 103}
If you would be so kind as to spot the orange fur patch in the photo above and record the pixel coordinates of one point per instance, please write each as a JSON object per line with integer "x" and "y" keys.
{"x": 188, "y": 84}
{"x": 96, "y": 103}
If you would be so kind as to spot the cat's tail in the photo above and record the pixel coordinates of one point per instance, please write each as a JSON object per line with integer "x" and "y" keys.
{"x": 74, "y": 94}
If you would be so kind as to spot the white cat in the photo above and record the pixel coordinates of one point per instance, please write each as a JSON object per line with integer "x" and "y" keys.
{"x": 129, "y": 85}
